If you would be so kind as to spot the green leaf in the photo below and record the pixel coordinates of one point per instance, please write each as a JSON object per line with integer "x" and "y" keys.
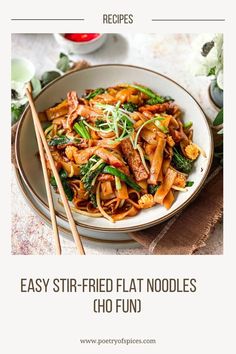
{"x": 61, "y": 55}
{"x": 49, "y": 76}
{"x": 16, "y": 112}
{"x": 94, "y": 93}
{"x": 152, "y": 188}
{"x": 212, "y": 71}
{"x": 63, "y": 63}
{"x": 130, "y": 106}
{"x": 68, "y": 190}
{"x": 187, "y": 125}
{"x": 153, "y": 101}
{"x": 189, "y": 183}
{"x": 36, "y": 86}
{"x": 219, "y": 118}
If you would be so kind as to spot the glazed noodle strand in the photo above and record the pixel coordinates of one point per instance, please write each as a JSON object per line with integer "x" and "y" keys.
{"x": 120, "y": 149}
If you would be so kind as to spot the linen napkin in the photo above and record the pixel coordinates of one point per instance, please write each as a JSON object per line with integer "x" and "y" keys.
{"x": 190, "y": 228}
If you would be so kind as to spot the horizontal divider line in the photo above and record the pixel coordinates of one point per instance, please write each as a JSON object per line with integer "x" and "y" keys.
{"x": 189, "y": 19}
{"x": 47, "y": 19}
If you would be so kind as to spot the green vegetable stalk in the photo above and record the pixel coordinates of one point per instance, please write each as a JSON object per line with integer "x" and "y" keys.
{"x": 81, "y": 129}
{"x": 63, "y": 176}
{"x": 189, "y": 183}
{"x": 130, "y": 107}
{"x": 187, "y": 125}
{"x": 94, "y": 93}
{"x": 89, "y": 175}
{"x": 115, "y": 172}
{"x": 152, "y": 188}
{"x": 62, "y": 140}
{"x": 181, "y": 163}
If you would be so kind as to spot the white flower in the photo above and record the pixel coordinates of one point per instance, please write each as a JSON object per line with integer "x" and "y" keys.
{"x": 220, "y": 80}
{"x": 19, "y": 87}
{"x": 208, "y": 56}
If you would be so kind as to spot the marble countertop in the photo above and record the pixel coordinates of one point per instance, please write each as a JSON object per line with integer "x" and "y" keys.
{"x": 168, "y": 54}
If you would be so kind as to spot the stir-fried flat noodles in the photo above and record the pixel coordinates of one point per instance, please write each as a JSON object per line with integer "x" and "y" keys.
{"x": 120, "y": 149}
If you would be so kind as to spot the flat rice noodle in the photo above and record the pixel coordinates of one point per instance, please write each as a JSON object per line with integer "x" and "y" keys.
{"x": 105, "y": 177}
{"x": 165, "y": 165}
{"x": 93, "y": 134}
{"x": 157, "y": 161}
{"x": 143, "y": 184}
{"x": 150, "y": 148}
{"x": 70, "y": 167}
{"x": 160, "y": 176}
{"x": 104, "y": 98}
{"x": 131, "y": 212}
{"x": 72, "y": 100}
{"x": 108, "y": 157}
{"x": 149, "y": 136}
{"x": 166, "y": 121}
{"x": 88, "y": 112}
{"x": 156, "y": 108}
{"x": 123, "y": 192}
{"x": 136, "y": 205}
{"x": 83, "y": 156}
{"x": 165, "y": 187}
{"x": 106, "y": 135}
{"x": 124, "y": 95}
{"x": 106, "y": 188}
{"x": 106, "y": 143}
{"x": 138, "y": 124}
{"x": 58, "y": 111}
{"x": 100, "y": 208}
{"x": 169, "y": 199}
{"x": 107, "y": 197}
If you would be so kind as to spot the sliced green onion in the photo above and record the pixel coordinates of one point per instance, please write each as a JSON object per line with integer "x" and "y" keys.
{"x": 161, "y": 127}
{"x": 115, "y": 172}
{"x": 48, "y": 129}
{"x": 98, "y": 163}
{"x": 118, "y": 120}
{"x": 81, "y": 129}
{"x": 143, "y": 125}
{"x": 140, "y": 150}
{"x": 96, "y": 129}
{"x": 187, "y": 125}
{"x": 94, "y": 93}
{"x": 117, "y": 183}
{"x": 147, "y": 91}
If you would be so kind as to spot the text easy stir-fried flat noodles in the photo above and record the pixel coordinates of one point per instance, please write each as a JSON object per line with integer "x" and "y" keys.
{"x": 119, "y": 150}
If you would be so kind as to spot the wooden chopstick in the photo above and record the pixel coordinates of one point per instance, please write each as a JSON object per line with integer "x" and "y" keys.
{"x": 42, "y": 138}
{"x": 47, "y": 185}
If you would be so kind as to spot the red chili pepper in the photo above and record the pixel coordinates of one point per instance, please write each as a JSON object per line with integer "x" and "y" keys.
{"x": 81, "y": 37}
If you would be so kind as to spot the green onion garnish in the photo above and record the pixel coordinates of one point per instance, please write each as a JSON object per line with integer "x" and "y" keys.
{"x": 81, "y": 129}
{"x": 187, "y": 125}
{"x": 189, "y": 183}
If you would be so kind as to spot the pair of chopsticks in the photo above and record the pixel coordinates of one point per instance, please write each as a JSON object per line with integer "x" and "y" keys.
{"x": 43, "y": 145}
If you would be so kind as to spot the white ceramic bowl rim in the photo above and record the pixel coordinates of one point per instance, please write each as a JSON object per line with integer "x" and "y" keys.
{"x": 124, "y": 229}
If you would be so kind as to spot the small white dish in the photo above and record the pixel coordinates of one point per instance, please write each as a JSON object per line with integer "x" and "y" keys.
{"x": 22, "y": 70}
{"x": 80, "y": 47}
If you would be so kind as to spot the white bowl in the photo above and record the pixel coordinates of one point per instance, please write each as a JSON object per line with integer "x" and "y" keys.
{"x": 104, "y": 76}
{"x": 80, "y": 47}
